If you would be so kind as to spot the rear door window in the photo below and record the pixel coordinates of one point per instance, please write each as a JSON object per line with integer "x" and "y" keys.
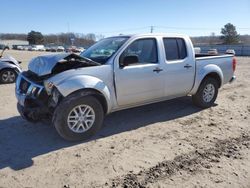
{"x": 175, "y": 48}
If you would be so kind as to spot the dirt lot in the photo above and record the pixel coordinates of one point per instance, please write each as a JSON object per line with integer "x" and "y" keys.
{"x": 168, "y": 144}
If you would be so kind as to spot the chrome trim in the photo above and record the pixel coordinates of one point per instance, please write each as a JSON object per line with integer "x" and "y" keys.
{"x": 31, "y": 89}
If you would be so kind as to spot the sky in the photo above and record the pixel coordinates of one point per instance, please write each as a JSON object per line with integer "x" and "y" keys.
{"x": 113, "y": 17}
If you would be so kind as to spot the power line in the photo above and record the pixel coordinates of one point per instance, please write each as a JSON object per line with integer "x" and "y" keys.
{"x": 152, "y": 29}
{"x": 196, "y": 28}
{"x": 122, "y": 30}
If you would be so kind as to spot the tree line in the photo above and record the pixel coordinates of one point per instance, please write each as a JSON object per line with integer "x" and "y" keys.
{"x": 35, "y": 37}
{"x": 229, "y": 35}
{"x": 213, "y": 40}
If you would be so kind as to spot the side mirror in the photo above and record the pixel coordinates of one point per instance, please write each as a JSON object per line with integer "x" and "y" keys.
{"x": 129, "y": 60}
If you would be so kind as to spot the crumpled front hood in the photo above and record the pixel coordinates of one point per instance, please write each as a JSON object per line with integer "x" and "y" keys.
{"x": 43, "y": 65}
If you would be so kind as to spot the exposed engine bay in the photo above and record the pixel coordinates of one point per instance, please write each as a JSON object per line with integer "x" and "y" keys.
{"x": 54, "y": 64}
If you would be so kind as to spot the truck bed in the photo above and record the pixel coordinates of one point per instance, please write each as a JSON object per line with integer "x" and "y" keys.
{"x": 223, "y": 61}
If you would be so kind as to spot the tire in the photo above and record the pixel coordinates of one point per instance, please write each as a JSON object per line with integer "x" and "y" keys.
{"x": 207, "y": 93}
{"x": 8, "y": 76}
{"x": 65, "y": 113}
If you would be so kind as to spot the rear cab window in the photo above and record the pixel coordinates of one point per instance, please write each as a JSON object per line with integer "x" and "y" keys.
{"x": 175, "y": 49}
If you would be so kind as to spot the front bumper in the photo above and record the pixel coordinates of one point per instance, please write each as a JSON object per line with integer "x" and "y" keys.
{"x": 31, "y": 99}
{"x": 25, "y": 88}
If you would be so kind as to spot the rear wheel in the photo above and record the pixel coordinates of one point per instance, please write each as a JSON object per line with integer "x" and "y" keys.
{"x": 207, "y": 93}
{"x": 8, "y": 76}
{"x": 78, "y": 117}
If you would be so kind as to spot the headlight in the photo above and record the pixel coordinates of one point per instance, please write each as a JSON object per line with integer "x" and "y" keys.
{"x": 48, "y": 87}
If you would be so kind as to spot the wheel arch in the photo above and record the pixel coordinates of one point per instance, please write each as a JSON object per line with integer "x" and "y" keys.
{"x": 215, "y": 76}
{"x": 209, "y": 71}
{"x": 88, "y": 85}
{"x": 95, "y": 93}
{"x": 10, "y": 66}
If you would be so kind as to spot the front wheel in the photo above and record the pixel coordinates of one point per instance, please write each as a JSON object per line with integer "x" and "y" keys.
{"x": 206, "y": 94}
{"x": 8, "y": 76}
{"x": 78, "y": 117}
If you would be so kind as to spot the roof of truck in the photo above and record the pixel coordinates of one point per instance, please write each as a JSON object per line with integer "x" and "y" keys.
{"x": 152, "y": 34}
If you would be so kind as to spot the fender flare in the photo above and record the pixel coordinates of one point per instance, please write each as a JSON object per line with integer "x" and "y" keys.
{"x": 80, "y": 82}
{"x": 205, "y": 71}
{"x": 10, "y": 66}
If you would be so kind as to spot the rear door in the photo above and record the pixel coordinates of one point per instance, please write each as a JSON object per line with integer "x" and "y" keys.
{"x": 179, "y": 67}
{"x": 142, "y": 81}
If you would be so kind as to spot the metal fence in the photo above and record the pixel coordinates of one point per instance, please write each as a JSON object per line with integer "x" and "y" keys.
{"x": 240, "y": 50}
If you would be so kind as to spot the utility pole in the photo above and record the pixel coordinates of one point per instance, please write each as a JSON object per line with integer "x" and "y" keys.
{"x": 151, "y": 29}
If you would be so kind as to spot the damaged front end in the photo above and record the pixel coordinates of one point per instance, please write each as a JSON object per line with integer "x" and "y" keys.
{"x": 37, "y": 98}
{"x": 32, "y": 98}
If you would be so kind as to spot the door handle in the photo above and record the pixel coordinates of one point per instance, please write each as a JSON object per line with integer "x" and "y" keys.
{"x": 157, "y": 69}
{"x": 187, "y": 66}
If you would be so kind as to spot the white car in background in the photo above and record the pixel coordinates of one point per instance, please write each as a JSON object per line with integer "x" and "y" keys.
{"x": 230, "y": 51}
{"x": 60, "y": 49}
{"x": 37, "y": 48}
{"x": 19, "y": 48}
{"x": 212, "y": 52}
{"x": 197, "y": 50}
{"x": 81, "y": 49}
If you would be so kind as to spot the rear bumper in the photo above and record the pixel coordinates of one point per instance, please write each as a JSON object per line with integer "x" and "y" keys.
{"x": 232, "y": 79}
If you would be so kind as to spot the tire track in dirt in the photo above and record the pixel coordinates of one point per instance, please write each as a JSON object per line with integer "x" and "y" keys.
{"x": 191, "y": 162}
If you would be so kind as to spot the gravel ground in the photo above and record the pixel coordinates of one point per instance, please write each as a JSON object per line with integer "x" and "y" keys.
{"x": 168, "y": 144}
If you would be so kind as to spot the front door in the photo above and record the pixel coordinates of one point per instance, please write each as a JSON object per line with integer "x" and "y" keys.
{"x": 141, "y": 81}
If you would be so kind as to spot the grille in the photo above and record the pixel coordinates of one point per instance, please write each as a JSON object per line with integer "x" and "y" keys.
{"x": 24, "y": 86}
{"x": 28, "y": 88}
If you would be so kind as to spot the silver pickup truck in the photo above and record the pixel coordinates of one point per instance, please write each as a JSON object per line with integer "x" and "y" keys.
{"x": 75, "y": 92}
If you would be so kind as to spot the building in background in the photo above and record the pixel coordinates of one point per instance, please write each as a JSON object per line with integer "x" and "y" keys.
{"x": 12, "y": 43}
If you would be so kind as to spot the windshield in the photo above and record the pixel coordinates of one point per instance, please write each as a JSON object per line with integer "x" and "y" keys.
{"x": 104, "y": 49}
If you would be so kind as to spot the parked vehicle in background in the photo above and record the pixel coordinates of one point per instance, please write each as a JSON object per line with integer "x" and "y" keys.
{"x": 212, "y": 52}
{"x": 20, "y": 48}
{"x": 60, "y": 49}
{"x": 9, "y": 69}
{"x": 75, "y": 49}
{"x": 54, "y": 48}
{"x": 3, "y": 46}
{"x": 47, "y": 48}
{"x": 81, "y": 49}
{"x": 230, "y": 51}
{"x": 26, "y": 47}
{"x": 197, "y": 50}
{"x": 76, "y": 92}
{"x": 37, "y": 48}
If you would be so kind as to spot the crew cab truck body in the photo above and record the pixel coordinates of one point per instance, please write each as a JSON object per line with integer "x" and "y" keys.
{"x": 76, "y": 92}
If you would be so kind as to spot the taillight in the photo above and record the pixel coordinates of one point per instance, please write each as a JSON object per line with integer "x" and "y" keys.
{"x": 234, "y": 64}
